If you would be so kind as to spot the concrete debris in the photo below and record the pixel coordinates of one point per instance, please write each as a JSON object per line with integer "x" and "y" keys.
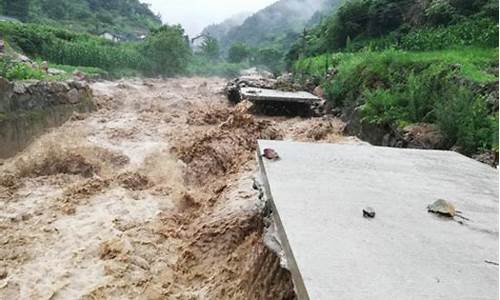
{"x": 233, "y": 87}
{"x": 257, "y": 73}
{"x": 259, "y": 94}
{"x": 275, "y": 96}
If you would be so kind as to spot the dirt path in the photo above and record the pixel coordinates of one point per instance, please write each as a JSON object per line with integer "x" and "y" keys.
{"x": 150, "y": 197}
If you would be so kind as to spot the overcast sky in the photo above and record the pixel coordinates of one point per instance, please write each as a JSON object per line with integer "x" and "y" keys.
{"x": 194, "y": 15}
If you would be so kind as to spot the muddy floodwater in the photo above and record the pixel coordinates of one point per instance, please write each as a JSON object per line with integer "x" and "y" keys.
{"x": 149, "y": 197}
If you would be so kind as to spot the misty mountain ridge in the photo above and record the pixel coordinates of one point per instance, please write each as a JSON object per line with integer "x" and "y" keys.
{"x": 277, "y": 25}
{"x": 220, "y": 30}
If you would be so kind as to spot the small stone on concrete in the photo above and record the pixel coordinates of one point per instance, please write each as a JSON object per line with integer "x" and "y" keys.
{"x": 369, "y": 212}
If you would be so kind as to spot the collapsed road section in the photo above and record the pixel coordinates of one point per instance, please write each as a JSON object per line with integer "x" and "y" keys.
{"x": 274, "y": 97}
{"x": 364, "y": 222}
{"x": 258, "y": 94}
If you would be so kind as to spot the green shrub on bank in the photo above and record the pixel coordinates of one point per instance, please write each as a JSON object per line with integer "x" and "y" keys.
{"x": 478, "y": 33}
{"x": 397, "y": 88}
{"x": 464, "y": 118}
{"x": 88, "y": 71}
{"x": 406, "y": 25}
{"x": 164, "y": 52}
{"x": 19, "y": 71}
{"x": 14, "y": 70}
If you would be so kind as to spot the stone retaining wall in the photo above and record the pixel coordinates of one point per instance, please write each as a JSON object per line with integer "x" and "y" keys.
{"x": 29, "y": 108}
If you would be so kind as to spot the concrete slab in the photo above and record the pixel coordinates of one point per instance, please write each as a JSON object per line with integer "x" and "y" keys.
{"x": 318, "y": 192}
{"x": 258, "y": 94}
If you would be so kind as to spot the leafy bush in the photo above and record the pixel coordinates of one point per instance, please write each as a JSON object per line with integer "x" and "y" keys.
{"x": 384, "y": 24}
{"x": 238, "y": 53}
{"x": 440, "y": 12}
{"x": 480, "y": 33}
{"x": 269, "y": 57}
{"x": 164, "y": 52}
{"x": 125, "y": 17}
{"x": 210, "y": 48}
{"x": 465, "y": 120}
{"x": 397, "y": 88}
{"x": 18, "y": 71}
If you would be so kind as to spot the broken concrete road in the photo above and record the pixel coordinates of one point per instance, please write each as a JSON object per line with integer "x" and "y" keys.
{"x": 318, "y": 192}
{"x": 258, "y": 94}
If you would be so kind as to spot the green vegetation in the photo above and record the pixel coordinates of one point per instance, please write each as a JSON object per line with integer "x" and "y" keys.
{"x": 201, "y": 66}
{"x": 271, "y": 31}
{"x": 430, "y": 61}
{"x": 15, "y": 70}
{"x": 268, "y": 57}
{"x": 164, "y": 51}
{"x": 18, "y": 71}
{"x": 86, "y": 71}
{"x": 275, "y": 26}
{"x": 479, "y": 33}
{"x": 238, "y": 53}
{"x": 398, "y": 88}
{"x": 408, "y": 25}
{"x": 129, "y": 19}
{"x": 210, "y": 48}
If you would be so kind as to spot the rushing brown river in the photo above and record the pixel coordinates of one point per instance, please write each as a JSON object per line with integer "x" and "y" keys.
{"x": 149, "y": 197}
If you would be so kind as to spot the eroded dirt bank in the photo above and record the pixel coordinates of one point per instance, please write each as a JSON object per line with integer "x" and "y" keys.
{"x": 150, "y": 197}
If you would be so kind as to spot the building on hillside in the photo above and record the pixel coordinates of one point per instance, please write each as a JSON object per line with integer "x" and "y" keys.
{"x": 110, "y": 36}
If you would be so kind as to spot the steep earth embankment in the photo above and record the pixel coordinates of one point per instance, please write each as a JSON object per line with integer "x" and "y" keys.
{"x": 150, "y": 197}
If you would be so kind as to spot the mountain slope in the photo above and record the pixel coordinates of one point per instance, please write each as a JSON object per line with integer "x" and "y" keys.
{"x": 219, "y": 31}
{"x": 276, "y": 25}
{"x": 127, "y": 18}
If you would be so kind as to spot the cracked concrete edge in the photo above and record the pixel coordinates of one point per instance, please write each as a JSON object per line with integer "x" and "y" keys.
{"x": 298, "y": 281}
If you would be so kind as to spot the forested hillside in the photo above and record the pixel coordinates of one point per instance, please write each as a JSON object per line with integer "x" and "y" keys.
{"x": 394, "y": 65}
{"x": 277, "y": 25}
{"x": 129, "y": 19}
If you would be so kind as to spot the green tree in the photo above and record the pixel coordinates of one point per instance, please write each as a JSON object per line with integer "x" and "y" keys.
{"x": 17, "y": 8}
{"x": 238, "y": 53}
{"x": 56, "y": 9}
{"x": 269, "y": 57}
{"x": 167, "y": 51}
{"x": 440, "y": 12}
{"x": 210, "y": 48}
